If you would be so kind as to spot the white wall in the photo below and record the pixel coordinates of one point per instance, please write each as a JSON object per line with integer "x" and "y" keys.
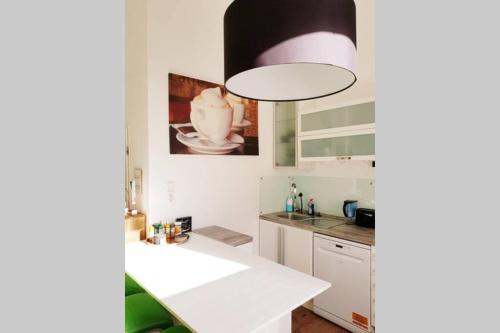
{"x": 186, "y": 37}
{"x": 136, "y": 92}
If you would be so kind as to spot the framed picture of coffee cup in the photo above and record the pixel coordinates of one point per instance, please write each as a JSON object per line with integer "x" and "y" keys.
{"x": 206, "y": 119}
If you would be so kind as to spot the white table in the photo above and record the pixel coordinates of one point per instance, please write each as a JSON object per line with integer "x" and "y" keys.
{"x": 212, "y": 287}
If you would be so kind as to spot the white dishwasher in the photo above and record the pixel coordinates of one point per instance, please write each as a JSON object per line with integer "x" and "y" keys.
{"x": 346, "y": 265}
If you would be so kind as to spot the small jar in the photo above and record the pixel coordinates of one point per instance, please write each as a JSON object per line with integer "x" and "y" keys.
{"x": 167, "y": 231}
{"x": 172, "y": 232}
{"x": 157, "y": 233}
{"x": 151, "y": 232}
{"x": 163, "y": 239}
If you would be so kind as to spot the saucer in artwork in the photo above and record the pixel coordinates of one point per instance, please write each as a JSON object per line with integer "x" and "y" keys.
{"x": 205, "y": 146}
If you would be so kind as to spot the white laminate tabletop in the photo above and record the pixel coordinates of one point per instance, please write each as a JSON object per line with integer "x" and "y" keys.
{"x": 213, "y": 287}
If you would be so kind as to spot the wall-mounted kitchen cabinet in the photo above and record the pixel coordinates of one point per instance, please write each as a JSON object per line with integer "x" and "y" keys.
{"x": 339, "y": 119}
{"x": 352, "y": 145}
{"x": 340, "y": 133}
{"x": 285, "y": 135}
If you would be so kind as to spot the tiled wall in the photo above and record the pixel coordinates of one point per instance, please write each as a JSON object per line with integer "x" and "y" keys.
{"x": 329, "y": 193}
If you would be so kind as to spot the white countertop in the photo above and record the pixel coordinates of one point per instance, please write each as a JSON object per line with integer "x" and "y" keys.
{"x": 213, "y": 287}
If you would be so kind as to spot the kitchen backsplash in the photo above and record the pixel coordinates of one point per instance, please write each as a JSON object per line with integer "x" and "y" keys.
{"x": 329, "y": 193}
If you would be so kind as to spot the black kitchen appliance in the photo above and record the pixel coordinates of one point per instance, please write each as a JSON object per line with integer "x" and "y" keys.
{"x": 365, "y": 217}
{"x": 186, "y": 223}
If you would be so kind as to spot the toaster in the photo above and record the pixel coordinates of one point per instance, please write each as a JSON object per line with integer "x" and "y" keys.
{"x": 365, "y": 217}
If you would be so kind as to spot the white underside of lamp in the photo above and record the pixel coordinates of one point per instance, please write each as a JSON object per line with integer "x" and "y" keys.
{"x": 284, "y": 72}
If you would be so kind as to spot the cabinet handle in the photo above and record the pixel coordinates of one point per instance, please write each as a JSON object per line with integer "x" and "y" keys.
{"x": 282, "y": 246}
{"x": 279, "y": 245}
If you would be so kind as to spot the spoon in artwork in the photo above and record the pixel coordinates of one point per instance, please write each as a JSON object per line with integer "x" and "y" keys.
{"x": 187, "y": 135}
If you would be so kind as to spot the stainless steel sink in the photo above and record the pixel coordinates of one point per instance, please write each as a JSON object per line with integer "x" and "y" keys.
{"x": 324, "y": 223}
{"x": 293, "y": 217}
{"x": 318, "y": 222}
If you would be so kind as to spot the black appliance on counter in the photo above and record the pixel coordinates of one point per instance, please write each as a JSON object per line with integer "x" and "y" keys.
{"x": 365, "y": 217}
{"x": 186, "y": 223}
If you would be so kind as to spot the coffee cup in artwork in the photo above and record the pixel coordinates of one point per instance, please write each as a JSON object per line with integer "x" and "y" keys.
{"x": 236, "y": 103}
{"x": 211, "y": 115}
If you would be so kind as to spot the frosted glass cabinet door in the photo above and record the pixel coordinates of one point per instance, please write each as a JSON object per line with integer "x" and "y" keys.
{"x": 285, "y": 135}
{"x": 358, "y": 115}
{"x": 361, "y": 146}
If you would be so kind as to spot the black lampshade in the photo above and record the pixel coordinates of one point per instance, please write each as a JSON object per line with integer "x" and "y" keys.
{"x": 289, "y": 50}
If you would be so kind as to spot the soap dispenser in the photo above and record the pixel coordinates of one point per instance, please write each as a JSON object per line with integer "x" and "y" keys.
{"x": 289, "y": 204}
{"x": 310, "y": 207}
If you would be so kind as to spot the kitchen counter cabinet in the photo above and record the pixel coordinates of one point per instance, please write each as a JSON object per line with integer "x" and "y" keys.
{"x": 270, "y": 241}
{"x": 286, "y": 245}
{"x": 345, "y": 231}
{"x": 299, "y": 252}
{"x": 297, "y": 249}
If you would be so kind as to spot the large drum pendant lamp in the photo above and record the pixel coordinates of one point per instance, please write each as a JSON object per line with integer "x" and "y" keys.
{"x": 289, "y": 50}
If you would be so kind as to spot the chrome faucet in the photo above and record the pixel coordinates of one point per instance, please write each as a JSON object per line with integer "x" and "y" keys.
{"x": 293, "y": 191}
{"x": 301, "y": 207}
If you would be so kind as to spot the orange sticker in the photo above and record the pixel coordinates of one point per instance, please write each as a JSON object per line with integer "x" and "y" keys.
{"x": 359, "y": 320}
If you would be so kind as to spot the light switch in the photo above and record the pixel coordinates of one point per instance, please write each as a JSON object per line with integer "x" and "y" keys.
{"x": 171, "y": 190}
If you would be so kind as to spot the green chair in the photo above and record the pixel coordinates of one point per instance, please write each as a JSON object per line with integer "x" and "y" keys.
{"x": 131, "y": 287}
{"x": 177, "y": 329}
{"x": 143, "y": 314}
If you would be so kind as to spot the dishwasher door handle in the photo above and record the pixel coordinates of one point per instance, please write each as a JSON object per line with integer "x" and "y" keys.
{"x": 339, "y": 254}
